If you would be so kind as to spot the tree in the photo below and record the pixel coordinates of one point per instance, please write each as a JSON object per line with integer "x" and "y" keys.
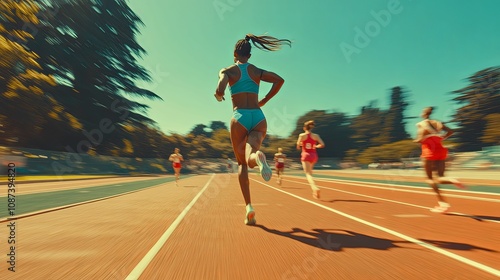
{"x": 333, "y": 129}
{"x": 492, "y": 132}
{"x": 393, "y": 128}
{"x": 91, "y": 50}
{"x": 479, "y": 99}
{"x": 287, "y": 144}
{"x": 216, "y": 125}
{"x": 199, "y": 129}
{"x": 22, "y": 85}
{"x": 366, "y": 126}
{"x": 392, "y": 152}
{"x": 220, "y": 142}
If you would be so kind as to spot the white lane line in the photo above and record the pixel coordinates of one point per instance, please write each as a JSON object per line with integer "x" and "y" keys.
{"x": 411, "y": 216}
{"x": 364, "y": 195}
{"x": 143, "y": 264}
{"x": 364, "y": 184}
{"x": 459, "y": 258}
{"x": 395, "y": 201}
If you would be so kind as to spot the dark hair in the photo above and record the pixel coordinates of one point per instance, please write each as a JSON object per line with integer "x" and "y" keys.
{"x": 264, "y": 42}
{"x": 309, "y": 125}
{"x": 428, "y": 110}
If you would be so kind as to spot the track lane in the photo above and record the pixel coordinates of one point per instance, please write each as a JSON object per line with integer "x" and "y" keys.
{"x": 458, "y": 234}
{"x": 102, "y": 240}
{"x": 294, "y": 239}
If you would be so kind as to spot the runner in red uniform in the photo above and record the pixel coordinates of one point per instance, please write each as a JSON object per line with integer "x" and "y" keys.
{"x": 434, "y": 155}
{"x": 176, "y": 159}
{"x": 310, "y": 142}
{"x": 279, "y": 159}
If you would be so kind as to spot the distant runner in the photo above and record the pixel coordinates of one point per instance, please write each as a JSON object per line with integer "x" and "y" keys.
{"x": 279, "y": 160}
{"x": 176, "y": 159}
{"x": 434, "y": 155}
{"x": 310, "y": 142}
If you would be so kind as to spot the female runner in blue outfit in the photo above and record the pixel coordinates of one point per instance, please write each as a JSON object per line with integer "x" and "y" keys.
{"x": 248, "y": 124}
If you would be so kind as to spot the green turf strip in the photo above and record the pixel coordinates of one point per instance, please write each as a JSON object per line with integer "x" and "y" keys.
{"x": 28, "y": 178}
{"x": 27, "y": 203}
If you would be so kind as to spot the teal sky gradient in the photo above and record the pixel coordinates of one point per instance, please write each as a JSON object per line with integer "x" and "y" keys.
{"x": 427, "y": 47}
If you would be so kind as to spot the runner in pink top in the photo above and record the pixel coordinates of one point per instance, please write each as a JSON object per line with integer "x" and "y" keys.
{"x": 309, "y": 150}
{"x": 309, "y": 142}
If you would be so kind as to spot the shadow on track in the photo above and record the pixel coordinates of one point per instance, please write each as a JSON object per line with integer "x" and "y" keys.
{"x": 339, "y": 239}
{"x": 335, "y": 239}
{"x": 478, "y": 218}
{"x": 455, "y": 245}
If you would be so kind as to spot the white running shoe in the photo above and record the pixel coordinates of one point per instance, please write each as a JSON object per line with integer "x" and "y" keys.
{"x": 316, "y": 194}
{"x": 265, "y": 170}
{"x": 250, "y": 219}
{"x": 443, "y": 207}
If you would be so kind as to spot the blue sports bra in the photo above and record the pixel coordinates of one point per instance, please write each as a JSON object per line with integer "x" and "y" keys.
{"x": 245, "y": 83}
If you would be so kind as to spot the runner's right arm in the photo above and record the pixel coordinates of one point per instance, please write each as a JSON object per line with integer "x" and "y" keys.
{"x": 221, "y": 86}
{"x": 321, "y": 143}
{"x": 299, "y": 141}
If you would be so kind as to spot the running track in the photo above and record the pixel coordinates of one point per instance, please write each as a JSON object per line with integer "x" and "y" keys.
{"x": 357, "y": 230}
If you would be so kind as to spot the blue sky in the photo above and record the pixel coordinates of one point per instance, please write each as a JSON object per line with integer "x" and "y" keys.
{"x": 428, "y": 47}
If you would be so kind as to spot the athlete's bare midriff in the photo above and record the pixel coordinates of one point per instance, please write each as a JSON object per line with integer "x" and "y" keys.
{"x": 245, "y": 100}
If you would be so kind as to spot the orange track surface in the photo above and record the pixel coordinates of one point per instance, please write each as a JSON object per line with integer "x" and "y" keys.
{"x": 355, "y": 231}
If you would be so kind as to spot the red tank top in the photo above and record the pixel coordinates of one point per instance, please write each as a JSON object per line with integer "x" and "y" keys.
{"x": 432, "y": 148}
{"x": 309, "y": 145}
